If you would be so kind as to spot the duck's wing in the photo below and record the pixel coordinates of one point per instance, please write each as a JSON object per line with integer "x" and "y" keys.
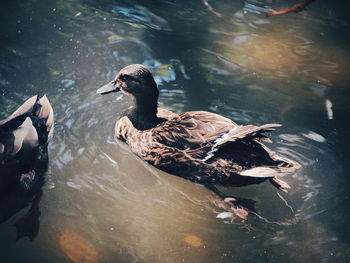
{"x": 204, "y": 133}
{"x": 18, "y": 130}
{"x": 15, "y": 128}
{"x": 248, "y": 140}
{"x": 191, "y": 130}
{"x": 173, "y": 160}
{"x": 40, "y": 108}
{"x": 12, "y": 122}
{"x": 245, "y": 147}
{"x": 13, "y": 141}
{"x": 246, "y": 133}
{"x": 17, "y": 118}
{"x": 30, "y": 105}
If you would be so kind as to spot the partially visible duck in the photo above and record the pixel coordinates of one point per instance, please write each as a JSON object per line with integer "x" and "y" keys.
{"x": 201, "y": 146}
{"x": 23, "y": 193}
{"x": 21, "y": 134}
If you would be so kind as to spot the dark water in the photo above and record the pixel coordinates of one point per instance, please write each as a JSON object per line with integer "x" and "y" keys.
{"x": 102, "y": 204}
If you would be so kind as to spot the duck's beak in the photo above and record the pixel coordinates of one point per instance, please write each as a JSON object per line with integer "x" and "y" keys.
{"x": 108, "y": 88}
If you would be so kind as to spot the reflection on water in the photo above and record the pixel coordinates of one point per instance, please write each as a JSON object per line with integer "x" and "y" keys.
{"x": 101, "y": 199}
{"x": 140, "y": 17}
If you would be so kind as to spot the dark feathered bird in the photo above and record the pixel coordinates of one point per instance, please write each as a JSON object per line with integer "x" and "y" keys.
{"x": 21, "y": 134}
{"x": 201, "y": 146}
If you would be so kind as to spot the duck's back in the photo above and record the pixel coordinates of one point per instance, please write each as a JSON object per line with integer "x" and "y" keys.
{"x": 30, "y": 125}
{"x": 191, "y": 130}
{"x": 184, "y": 131}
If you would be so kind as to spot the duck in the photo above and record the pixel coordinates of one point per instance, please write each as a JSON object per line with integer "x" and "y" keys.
{"x": 21, "y": 136}
{"x": 200, "y": 146}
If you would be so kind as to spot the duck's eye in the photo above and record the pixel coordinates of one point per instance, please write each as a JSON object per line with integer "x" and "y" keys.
{"x": 127, "y": 78}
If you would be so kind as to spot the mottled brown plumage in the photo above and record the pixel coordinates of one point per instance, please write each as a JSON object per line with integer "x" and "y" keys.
{"x": 201, "y": 146}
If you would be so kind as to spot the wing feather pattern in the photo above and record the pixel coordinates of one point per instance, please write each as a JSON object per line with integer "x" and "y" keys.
{"x": 206, "y": 146}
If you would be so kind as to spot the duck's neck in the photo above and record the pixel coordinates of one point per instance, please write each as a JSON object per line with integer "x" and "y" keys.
{"x": 143, "y": 114}
{"x": 146, "y": 108}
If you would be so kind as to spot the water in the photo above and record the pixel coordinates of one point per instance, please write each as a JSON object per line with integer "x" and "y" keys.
{"x": 101, "y": 204}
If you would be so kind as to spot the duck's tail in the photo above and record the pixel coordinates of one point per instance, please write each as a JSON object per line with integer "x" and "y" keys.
{"x": 46, "y": 113}
{"x": 282, "y": 166}
{"x": 39, "y": 107}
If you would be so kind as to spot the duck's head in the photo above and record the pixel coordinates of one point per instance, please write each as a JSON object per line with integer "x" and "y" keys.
{"x": 134, "y": 80}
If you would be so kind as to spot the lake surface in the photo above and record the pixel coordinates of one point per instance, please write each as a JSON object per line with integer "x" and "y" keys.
{"x": 102, "y": 204}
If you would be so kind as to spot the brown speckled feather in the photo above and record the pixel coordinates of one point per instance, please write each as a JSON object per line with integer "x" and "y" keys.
{"x": 201, "y": 145}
